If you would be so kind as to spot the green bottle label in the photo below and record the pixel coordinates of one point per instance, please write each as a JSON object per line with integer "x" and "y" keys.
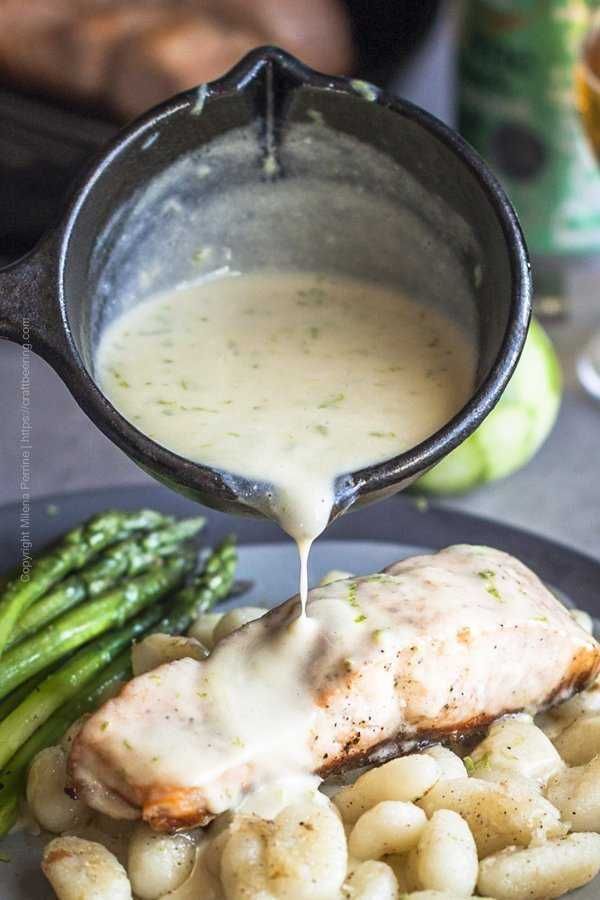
{"x": 517, "y": 91}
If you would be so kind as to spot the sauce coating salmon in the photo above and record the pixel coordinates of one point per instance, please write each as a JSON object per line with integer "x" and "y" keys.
{"x": 432, "y": 646}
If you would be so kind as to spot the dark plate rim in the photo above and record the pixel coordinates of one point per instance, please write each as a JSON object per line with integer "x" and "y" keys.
{"x": 401, "y": 519}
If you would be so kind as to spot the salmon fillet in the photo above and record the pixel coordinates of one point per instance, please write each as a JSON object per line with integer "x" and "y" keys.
{"x": 432, "y": 646}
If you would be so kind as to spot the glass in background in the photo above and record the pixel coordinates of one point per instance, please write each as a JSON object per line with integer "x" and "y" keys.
{"x": 517, "y": 106}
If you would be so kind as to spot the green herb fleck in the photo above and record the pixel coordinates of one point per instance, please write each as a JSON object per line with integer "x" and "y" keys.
{"x": 322, "y": 429}
{"x": 382, "y": 434}
{"x": 353, "y": 601}
{"x": 366, "y": 90}
{"x": 202, "y": 254}
{"x": 127, "y": 745}
{"x": 480, "y": 765}
{"x": 313, "y": 296}
{"x": 334, "y": 400}
{"x": 469, "y": 765}
{"x": 352, "y": 592}
{"x": 119, "y": 378}
{"x": 488, "y": 576}
{"x": 378, "y": 635}
{"x": 104, "y": 726}
{"x": 314, "y": 332}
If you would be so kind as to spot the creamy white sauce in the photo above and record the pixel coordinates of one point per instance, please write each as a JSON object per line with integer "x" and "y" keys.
{"x": 288, "y": 380}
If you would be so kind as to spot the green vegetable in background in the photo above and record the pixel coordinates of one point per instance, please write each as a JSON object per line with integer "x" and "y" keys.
{"x": 514, "y": 431}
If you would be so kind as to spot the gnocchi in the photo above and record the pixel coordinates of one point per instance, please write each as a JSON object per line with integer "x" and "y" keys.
{"x": 84, "y": 870}
{"x": 498, "y": 814}
{"x": 200, "y": 884}
{"x": 515, "y": 745}
{"x": 405, "y": 779}
{"x": 576, "y": 794}
{"x": 445, "y": 859}
{"x": 541, "y": 873}
{"x": 301, "y": 855}
{"x": 235, "y": 619}
{"x": 157, "y": 649}
{"x": 203, "y": 628}
{"x": 580, "y": 742}
{"x": 435, "y": 895}
{"x": 557, "y": 719}
{"x": 371, "y": 880}
{"x": 158, "y": 863}
{"x": 449, "y": 763}
{"x": 50, "y": 806}
{"x": 391, "y": 826}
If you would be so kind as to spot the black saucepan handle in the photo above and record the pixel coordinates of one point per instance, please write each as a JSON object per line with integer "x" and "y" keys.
{"x": 30, "y": 305}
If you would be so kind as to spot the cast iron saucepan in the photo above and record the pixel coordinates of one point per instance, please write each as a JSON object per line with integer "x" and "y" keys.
{"x": 276, "y": 166}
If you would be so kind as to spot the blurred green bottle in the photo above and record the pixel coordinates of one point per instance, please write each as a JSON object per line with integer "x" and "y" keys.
{"x": 517, "y": 106}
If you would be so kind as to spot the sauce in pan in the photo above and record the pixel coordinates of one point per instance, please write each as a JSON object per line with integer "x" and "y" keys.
{"x": 287, "y": 379}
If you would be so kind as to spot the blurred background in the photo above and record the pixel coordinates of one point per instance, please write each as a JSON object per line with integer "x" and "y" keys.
{"x": 519, "y": 78}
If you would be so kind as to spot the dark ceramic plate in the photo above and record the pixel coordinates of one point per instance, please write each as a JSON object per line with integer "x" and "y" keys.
{"x": 360, "y": 543}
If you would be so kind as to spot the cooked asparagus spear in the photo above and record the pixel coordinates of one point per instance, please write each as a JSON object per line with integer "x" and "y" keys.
{"x": 80, "y": 625}
{"x": 12, "y": 779}
{"x": 73, "y": 551}
{"x": 19, "y": 694}
{"x": 127, "y": 558}
{"x": 210, "y": 586}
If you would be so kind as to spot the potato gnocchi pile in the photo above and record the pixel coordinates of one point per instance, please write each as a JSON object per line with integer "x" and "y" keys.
{"x": 518, "y": 819}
